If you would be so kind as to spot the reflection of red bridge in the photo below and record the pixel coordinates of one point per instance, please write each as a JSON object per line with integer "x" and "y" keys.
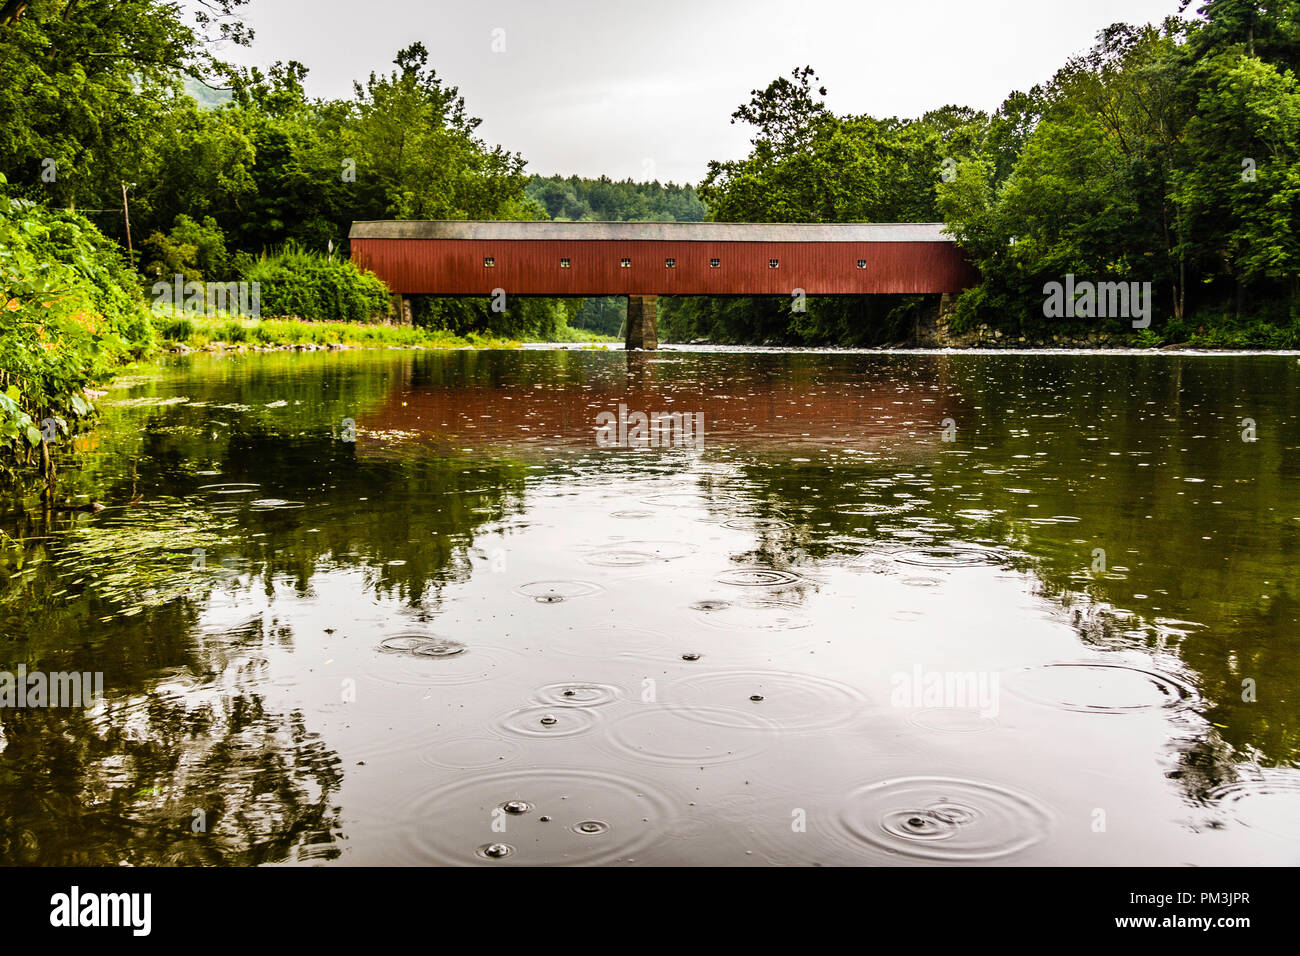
{"x": 642, "y": 260}
{"x": 738, "y": 407}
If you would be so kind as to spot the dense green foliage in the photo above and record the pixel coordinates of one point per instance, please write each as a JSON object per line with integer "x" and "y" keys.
{"x": 603, "y": 315}
{"x": 309, "y": 286}
{"x": 533, "y": 318}
{"x": 191, "y": 250}
{"x": 89, "y": 92}
{"x": 862, "y": 321}
{"x": 70, "y": 310}
{"x": 93, "y": 98}
{"x": 602, "y": 200}
{"x": 251, "y": 180}
{"x": 1166, "y": 154}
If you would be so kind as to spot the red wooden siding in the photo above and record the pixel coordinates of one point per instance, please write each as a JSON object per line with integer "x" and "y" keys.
{"x": 532, "y": 267}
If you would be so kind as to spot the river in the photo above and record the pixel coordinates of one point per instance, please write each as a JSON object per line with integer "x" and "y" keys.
{"x": 413, "y": 607}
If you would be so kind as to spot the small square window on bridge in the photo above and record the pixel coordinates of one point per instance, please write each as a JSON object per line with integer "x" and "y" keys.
{"x": 670, "y": 263}
{"x": 564, "y": 263}
{"x": 773, "y": 263}
{"x": 489, "y": 262}
{"x": 862, "y": 263}
{"x": 625, "y": 263}
{"x": 714, "y": 263}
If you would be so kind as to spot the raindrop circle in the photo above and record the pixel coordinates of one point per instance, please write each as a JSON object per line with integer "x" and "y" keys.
{"x": 231, "y": 488}
{"x": 687, "y": 736}
{"x": 635, "y": 554}
{"x": 577, "y": 694}
{"x": 1102, "y": 687}
{"x": 758, "y": 577}
{"x": 1270, "y": 804}
{"x": 470, "y": 753}
{"x": 546, "y": 722}
{"x": 942, "y": 818}
{"x": 630, "y": 815}
{"x": 949, "y": 557}
{"x": 553, "y": 592}
{"x": 752, "y": 615}
{"x": 951, "y": 720}
{"x": 792, "y": 701}
{"x": 494, "y": 851}
{"x": 757, "y": 524}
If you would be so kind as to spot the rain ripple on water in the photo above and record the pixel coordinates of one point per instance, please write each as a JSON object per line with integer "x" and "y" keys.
{"x": 749, "y": 616}
{"x": 1270, "y": 804}
{"x": 758, "y": 577}
{"x": 633, "y": 554}
{"x": 574, "y": 817}
{"x": 577, "y": 694}
{"x": 693, "y": 736}
{"x": 949, "y": 557}
{"x": 794, "y": 702}
{"x": 420, "y": 659}
{"x": 946, "y": 819}
{"x": 547, "y": 722}
{"x": 554, "y": 592}
{"x": 1102, "y": 687}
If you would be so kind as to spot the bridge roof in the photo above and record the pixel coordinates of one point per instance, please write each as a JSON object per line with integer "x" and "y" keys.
{"x": 653, "y": 231}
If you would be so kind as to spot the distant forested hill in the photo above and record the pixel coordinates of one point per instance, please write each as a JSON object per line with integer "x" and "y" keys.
{"x": 206, "y": 96}
{"x": 604, "y": 200}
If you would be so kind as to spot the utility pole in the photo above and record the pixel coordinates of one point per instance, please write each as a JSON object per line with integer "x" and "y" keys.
{"x": 126, "y": 215}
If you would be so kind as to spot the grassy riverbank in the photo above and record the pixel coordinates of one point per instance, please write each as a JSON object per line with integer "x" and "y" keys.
{"x": 199, "y": 332}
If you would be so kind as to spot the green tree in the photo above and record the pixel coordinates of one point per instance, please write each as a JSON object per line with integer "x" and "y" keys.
{"x": 416, "y": 150}
{"x": 195, "y": 250}
{"x": 85, "y": 84}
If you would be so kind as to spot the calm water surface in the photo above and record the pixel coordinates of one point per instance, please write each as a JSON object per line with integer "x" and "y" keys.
{"x": 403, "y": 608}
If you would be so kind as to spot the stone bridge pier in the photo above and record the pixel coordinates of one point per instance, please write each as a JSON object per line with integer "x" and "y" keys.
{"x": 642, "y": 322}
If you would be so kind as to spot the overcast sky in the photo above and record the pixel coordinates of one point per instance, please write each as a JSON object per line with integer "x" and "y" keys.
{"x": 646, "y": 88}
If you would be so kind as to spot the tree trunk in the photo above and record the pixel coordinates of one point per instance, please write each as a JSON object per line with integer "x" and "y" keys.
{"x": 1181, "y": 306}
{"x": 12, "y": 11}
{"x": 47, "y": 466}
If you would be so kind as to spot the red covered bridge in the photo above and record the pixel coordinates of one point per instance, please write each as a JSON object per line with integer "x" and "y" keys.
{"x": 642, "y": 260}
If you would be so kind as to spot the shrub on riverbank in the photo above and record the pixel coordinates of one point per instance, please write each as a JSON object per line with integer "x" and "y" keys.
{"x": 295, "y": 282}
{"x": 70, "y": 311}
{"x": 1232, "y": 333}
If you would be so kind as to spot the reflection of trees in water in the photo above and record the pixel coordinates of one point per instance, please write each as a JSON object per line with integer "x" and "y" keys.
{"x": 186, "y": 727}
{"x": 406, "y": 511}
{"x": 407, "y": 522}
{"x": 1206, "y": 749}
{"x": 1102, "y": 439}
{"x": 120, "y": 783}
{"x": 1214, "y": 581}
